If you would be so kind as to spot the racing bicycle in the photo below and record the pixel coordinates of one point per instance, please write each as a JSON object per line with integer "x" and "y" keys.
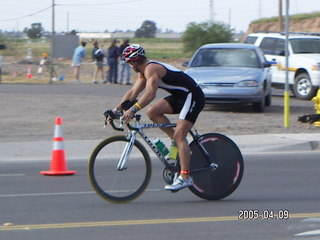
{"x": 120, "y": 166}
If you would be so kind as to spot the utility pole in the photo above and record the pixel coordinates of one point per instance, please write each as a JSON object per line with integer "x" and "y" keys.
{"x": 286, "y": 87}
{"x": 280, "y": 17}
{"x": 68, "y": 22}
{"x": 211, "y": 7}
{"x": 52, "y": 42}
{"x": 260, "y": 6}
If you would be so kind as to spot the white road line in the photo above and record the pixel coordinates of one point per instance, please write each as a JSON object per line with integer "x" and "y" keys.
{"x": 308, "y": 233}
{"x": 13, "y": 175}
{"x": 57, "y": 194}
{"x": 43, "y": 194}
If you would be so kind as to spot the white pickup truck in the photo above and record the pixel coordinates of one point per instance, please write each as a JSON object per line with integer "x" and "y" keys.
{"x": 304, "y": 60}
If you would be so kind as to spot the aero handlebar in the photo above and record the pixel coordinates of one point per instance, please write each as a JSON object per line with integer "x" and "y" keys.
{"x": 111, "y": 116}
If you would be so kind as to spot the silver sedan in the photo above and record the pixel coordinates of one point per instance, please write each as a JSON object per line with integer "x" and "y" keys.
{"x": 232, "y": 73}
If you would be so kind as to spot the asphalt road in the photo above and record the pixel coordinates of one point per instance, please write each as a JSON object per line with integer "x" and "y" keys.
{"x": 33, "y": 206}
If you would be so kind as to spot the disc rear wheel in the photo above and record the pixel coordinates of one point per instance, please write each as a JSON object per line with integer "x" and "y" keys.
{"x": 215, "y": 184}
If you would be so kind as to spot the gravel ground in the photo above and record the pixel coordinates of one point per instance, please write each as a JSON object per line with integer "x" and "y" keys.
{"x": 28, "y": 112}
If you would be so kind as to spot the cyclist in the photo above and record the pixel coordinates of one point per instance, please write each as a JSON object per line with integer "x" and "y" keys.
{"x": 186, "y": 98}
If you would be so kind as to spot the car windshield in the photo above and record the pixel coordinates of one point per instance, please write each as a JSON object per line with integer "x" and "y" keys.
{"x": 219, "y": 57}
{"x": 305, "y": 45}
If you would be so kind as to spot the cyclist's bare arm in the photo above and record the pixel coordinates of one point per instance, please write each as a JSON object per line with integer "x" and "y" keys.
{"x": 134, "y": 92}
{"x": 152, "y": 77}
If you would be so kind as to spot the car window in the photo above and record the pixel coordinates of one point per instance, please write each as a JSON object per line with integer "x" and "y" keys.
{"x": 306, "y": 45}
{"x": 279, "y": 47}
{"x": 267, "y": 45}
{"x": 204, "y": 58}
{"x": 226, "y": 58}
{"x": 250, "y": 40}
{"x": 273, "y": 46}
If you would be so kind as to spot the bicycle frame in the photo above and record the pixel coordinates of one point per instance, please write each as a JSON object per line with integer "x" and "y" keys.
{"x": 138, "y": 128}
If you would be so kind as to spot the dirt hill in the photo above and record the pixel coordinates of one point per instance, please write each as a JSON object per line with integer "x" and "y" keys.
{"x": 305, "y": 25}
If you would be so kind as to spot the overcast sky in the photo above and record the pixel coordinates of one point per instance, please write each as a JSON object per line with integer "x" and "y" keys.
{"x": 101, "y": 15}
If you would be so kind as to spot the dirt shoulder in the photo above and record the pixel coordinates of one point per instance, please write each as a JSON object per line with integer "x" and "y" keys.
{"x": 28, "y": 113}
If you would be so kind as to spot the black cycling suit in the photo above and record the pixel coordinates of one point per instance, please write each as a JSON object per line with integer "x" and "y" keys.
{"x": 186, "y": 96}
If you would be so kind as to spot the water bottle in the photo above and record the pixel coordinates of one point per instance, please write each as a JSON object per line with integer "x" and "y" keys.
{"x": 173, "y": 153}
{"x": 161, "y": 147}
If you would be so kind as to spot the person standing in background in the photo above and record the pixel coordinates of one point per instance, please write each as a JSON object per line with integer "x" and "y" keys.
{"x": 94, "y": 49}
{"x": 124, "y": 67}
{"x": 78, "y": 54}
{"x": 99, "y": 55}
{"x": 112, "y": 60}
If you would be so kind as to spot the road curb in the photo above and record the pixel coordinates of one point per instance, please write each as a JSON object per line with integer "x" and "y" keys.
{"x": 82, "y": 149}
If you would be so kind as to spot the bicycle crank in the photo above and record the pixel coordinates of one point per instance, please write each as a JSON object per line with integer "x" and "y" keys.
{"x": 168, "y": 175}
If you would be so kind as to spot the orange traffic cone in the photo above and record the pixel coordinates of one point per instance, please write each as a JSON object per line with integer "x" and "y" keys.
{"x": 58, "y": 164}
{"x": 29, "y": 72}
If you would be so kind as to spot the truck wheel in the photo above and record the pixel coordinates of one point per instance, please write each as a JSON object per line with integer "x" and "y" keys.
{"x": 303, "y": 88}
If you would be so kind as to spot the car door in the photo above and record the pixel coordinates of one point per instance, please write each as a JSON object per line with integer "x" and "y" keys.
{"x": 274, "y": 50}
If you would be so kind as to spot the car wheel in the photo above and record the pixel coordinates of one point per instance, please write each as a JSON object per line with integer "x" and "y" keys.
{"x": 259, "y": 106}
{"x": 268, "y": 99}
{"x": 303, "y": 88}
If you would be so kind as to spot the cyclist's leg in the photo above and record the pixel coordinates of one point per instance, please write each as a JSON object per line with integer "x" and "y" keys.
{"x": 156, "y": 114}
{"x": 180, "y": 136}
{"x": 193, "y": 105}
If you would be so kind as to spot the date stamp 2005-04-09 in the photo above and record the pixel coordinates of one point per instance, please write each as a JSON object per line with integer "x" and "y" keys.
{"x": 255, "y": 214}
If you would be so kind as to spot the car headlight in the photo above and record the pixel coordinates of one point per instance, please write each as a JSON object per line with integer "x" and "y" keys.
{"x": 247, "y": 83}
{"x": 316, "y": 67}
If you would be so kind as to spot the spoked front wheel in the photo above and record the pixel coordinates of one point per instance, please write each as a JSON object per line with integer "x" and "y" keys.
{"x": 215, "y": 184}
{"x": 117, "y": 183}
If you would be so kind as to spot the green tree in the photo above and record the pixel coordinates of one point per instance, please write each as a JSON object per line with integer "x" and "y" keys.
{"x": 197, "y": 35}
{"x": 148, "y": 29}
{"x": 35, "y": 31}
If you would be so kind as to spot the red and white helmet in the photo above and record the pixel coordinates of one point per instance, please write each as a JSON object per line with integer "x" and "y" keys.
{"x": 133, "y": 52}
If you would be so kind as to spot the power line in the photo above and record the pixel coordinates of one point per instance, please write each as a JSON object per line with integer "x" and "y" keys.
{"x": 80, "y": 5}
{"x": 29, "y": 15}
{"x": 97, "y": 4}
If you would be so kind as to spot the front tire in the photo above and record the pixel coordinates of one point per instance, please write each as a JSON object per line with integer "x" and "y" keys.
{"x": 303, "y": 88}
{"x": 268, "y": 99}
{"x": 259, "y": 106}
{"x": 119, "y": 186}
